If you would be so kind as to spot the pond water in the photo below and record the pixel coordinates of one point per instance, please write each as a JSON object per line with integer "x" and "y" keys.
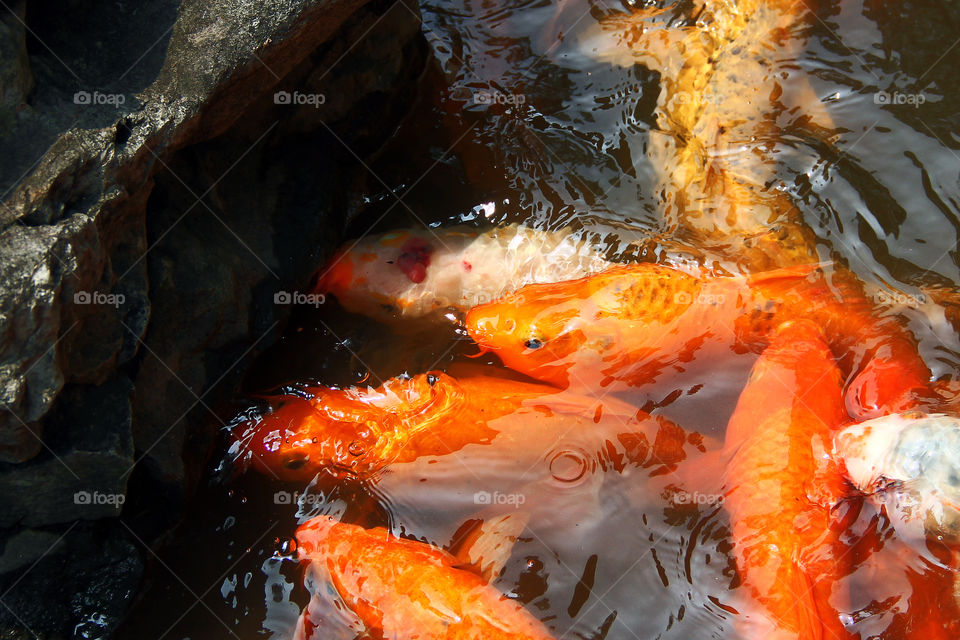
{"x": 542, "y": 114}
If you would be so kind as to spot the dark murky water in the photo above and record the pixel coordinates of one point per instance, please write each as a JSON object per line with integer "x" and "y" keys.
{"x": 543, "y": 119}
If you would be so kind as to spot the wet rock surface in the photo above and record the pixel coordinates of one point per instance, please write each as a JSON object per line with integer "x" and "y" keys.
{"x": 172, "y": 168}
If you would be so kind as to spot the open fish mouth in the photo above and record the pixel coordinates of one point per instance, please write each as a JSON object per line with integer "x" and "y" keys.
{"x": 911, "y": 463}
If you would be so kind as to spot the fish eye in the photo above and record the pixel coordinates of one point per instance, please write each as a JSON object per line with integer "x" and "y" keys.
{"x": 533, "y": 343}
{"x": 295, "y": 463}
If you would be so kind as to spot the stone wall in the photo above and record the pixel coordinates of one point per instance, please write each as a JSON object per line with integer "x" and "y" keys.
{"x": 161, "y": 208}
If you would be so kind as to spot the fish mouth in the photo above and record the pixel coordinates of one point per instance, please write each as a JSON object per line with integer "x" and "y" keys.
{"x": 368, "y": 428}
{"x": 335, "y": 276}
{"x": 486, "y": 328}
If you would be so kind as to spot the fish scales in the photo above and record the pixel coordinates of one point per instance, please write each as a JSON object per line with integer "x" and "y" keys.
{"x": 352, "y": 433}
{"x": 632, "y": 322}
{"x": 402, "y": 588}
{"x": 724, "y": 92}
{"x": 660, "y": 297}
{"x": 792, "y": 400}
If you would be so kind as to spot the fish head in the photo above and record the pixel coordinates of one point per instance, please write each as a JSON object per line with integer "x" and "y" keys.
{"x": 299, "y": 437}
{"x": 624, "y": 312}
{"x": 352, "y": 432}
{"x": 534, "y": 331}
{"x": 911, "y": 463}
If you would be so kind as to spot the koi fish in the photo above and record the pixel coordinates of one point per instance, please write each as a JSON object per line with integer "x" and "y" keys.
{"x": 781, "y": 489}
{"x": 633, "y": 322}
{"x": 902, "y": 594}
{"x": 401, "y": 588}
{"x": 910, "y": 463}
{"x": 723, "y": 105}
{"x": 358, "y": 432}
{"x": 415, "y": 273}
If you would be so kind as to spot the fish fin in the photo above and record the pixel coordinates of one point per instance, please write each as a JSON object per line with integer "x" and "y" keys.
{"x": 794, "y": 272}
{"x": 702, "y": 474}
{"x": 484, "y": 546}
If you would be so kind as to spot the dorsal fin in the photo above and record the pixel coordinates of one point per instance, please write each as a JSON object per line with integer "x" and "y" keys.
{"x": 787, "y": 273}
{"x": 484, "y": 546}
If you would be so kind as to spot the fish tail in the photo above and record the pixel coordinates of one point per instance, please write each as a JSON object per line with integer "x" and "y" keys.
{"x": 890, "y": 376}
{"x": 885, "y": 372}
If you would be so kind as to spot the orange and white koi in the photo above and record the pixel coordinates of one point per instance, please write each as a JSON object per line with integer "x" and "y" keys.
{"x": 910, "y": 463}
{"x": 416, "y": 273}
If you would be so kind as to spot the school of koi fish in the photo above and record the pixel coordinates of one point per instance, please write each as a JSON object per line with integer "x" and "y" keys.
{"x": 837, "y": 469}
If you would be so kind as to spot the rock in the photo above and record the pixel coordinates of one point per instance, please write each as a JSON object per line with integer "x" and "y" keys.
{"x": 88, "y": 574}
{"x": 75, "y": 244}
{"x": 16, "y": 79}
{"x": 84, "y": 473}
{"x": 26, "y": 547}
{"x": 237, "y": 247}
{"x": 159, "y": 196}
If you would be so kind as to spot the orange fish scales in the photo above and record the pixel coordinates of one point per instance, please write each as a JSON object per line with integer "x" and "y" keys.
{"x": 659, "y": 296}
{"x": 793, "y": 397}
{"x": 406, "y": 589}
{"x": 631, "y": 323}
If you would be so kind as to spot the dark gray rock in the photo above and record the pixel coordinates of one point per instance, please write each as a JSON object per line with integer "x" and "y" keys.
{"x": 16, "y": 79}
{"x": 26, "y": 547}
{"x": 83, "y": 475}
{"x": 74, "y": 240}
{"x": 157, "y": 196}
{"x": 216, "y": 261}
{"x": 90, "y": 570}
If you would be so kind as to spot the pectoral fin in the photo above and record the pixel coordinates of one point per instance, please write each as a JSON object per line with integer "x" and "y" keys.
{"x": 484, "y": 546}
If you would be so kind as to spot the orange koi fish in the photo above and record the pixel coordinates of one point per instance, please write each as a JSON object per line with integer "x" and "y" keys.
{"x": 896, "y": 592}
{"x": 415, "y": 273}
{"x": 401, "y": 588}
{"x": 358, "y": 432}
{"x": 782, "y": 488}
{"x": 633, "y": 322}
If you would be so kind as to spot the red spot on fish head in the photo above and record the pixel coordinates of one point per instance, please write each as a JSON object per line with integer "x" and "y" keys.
{"x": 414, "y": 259}
{"x": 467, "y": 266}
